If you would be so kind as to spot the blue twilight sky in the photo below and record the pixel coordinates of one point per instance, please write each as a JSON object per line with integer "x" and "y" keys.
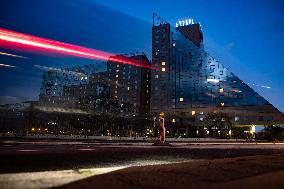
{"x": 245, "y": 35}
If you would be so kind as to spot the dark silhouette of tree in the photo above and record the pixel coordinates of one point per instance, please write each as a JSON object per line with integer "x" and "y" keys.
{"x": 218, "y": 124}
{"x": 271, "y": 133}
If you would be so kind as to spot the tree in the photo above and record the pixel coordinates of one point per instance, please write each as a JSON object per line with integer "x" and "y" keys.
{"x": 218, "y": 124}
{"x": 271, "y": 133}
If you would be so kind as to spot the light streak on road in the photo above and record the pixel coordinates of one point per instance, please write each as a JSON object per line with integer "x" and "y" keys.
{"x": 12, "y": 55}
{"x": 49, "y": 179}
{"x": 7, "y": 65}
{"x": 22, "y": 41}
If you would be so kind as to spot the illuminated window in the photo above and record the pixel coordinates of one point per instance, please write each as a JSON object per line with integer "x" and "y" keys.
{"x": 192, "y": 112}
{"x": 163, "y": 63}
{"x": 163, "y": 69}
{"x": 222, "y": 104}
{"x": 174, "y": 44}
{"x": 128, "y": 88}
{"x": 181, "y": 99}
{"x": 117, "y": 70}
{"x": 86, "y": 77}
{"x": 173, "y": 120}
{"x": 116, "y": 75}
{"x": 117, "y": 66}
{"x": 156, "y": 76}
{"x": 221, "y": 90}
{"x": 115, "y": 91}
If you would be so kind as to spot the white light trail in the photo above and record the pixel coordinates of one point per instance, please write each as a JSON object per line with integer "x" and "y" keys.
{"x": 7, "y": 65}
{"x": 12, "y": 55}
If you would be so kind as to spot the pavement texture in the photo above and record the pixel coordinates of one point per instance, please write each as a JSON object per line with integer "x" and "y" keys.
{"x": 262, "y": 171}
{"x": 42, "y": 164}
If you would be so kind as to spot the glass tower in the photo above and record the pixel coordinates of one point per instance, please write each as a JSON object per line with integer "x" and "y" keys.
{"x": 191, "y": 83}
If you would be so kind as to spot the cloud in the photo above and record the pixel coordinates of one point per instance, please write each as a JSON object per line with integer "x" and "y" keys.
{"x": 78, "y": 74}
{"x": 8, "y": 99}
{"x": 230, "y": 46}
{"x": 15, "y": 99}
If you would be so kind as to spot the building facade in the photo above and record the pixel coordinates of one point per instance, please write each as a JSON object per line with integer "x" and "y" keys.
{"x": 128, "y": 84}
{"x": 92, "y": 88}
{"x": 190, "y": 83}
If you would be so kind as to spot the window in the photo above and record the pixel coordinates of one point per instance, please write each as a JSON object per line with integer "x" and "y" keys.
{"x": 163, "y": 63}
{"x": 222, "y": 104}
{"x": 173, "y": 120}
{"x": 128, "y": 88}
{"x": 116, "y": 75}
{"x": 181, "y": 99}
{"x": 156, "y": 76}
{"x": 221, "y": 90}
{"x": 193, "y": 112}
{"x": 163, "y": 69}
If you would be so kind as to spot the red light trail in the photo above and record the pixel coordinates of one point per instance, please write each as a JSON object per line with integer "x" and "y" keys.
{"x": 18, "y": 40}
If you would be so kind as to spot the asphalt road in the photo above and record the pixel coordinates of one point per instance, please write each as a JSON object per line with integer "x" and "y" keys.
{"x": 44, "y": 155}
{"x": 52, "y": 163}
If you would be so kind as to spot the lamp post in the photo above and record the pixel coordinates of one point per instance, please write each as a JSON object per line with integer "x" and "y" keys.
{"x": 162, "y": 127}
